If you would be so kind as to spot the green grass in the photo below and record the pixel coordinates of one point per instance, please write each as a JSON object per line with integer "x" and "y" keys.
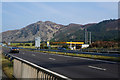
{"x": 27, "y": 46}
{"x": 7, "y": 67}
{"x": 16, "y": 44}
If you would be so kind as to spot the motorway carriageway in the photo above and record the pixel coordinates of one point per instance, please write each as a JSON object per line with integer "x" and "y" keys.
{"x": 72, "y": 67}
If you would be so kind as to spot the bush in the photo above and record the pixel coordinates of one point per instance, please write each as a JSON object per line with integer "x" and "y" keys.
{"x": 104, "y": 44}
{"x": 27, "y": 44}
{"x": 20, "y": 45}
{"x": 45, "y": 47}
{"x": 33, "y": 44}
{"x": 41, "y": 46}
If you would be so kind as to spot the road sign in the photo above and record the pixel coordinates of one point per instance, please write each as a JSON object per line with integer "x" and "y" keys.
{"x": 37, "y": 42}
{"x": 48, "y": 43}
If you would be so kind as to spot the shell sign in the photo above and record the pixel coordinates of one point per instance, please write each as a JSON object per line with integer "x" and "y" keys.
{"x": 48, "y": 43}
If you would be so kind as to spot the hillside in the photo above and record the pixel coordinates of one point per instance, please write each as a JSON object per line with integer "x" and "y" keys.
{"x": 43, "y": 29}
{"x": 105, "y": 30}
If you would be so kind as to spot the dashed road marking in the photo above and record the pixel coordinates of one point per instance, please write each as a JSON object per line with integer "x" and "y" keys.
{"x": 97, "y": 68}
{"x": 88, "y": 59}
{"x": 106, "y": 61}
{"x": 59, "y": 55}
{"x": 67, "y": 56}
{"x": 33, "y": 54}
{"x": 43, "y": 53}
{"x": 52, "y": 58}
{"x": 51, "y": 54}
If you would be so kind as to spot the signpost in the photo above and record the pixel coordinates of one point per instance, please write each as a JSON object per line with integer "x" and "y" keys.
{"x": 37, "y": 42}
{"x": 48, "y": 43}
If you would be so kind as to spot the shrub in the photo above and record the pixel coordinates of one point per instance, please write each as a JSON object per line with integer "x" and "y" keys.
{"x": 33, "y": 44}
{"x": 27, "y": 44}
{"x": 20, "y": 45}
{"x": 45, "y": 47}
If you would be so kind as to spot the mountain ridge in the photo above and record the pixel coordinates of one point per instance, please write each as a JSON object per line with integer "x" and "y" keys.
{"x": 50, "y": 31}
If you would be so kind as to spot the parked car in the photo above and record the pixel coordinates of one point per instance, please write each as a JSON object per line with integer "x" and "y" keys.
{"x": 14, "y": 49}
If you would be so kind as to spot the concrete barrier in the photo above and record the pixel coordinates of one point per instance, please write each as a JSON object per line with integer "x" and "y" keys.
{"x": 28, "y": 71}
{"x": 23, "y": 69}
{"x": 17, "y": 71}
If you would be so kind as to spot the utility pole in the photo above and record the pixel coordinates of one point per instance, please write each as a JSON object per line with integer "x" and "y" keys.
{"x": 90, "y": 38}
{"x": 86, "y": 36}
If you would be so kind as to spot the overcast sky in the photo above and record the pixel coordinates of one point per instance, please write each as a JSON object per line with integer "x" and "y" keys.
{"x": 16, "y": 15}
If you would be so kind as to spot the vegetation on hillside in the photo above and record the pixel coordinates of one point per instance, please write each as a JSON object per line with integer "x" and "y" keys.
{"x": 104, "y": 31}
{"x": 105, "y": 44}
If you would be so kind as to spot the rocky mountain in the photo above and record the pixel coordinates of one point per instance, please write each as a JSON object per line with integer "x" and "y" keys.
{"x": 104, "y": 30}
{"x": 43, "y": 29}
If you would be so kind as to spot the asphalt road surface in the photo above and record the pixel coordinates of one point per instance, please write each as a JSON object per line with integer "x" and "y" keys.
{"x": 72, "y": 67}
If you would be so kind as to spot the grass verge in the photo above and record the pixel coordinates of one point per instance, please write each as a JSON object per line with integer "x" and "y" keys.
{"x": 7, "y": 67}
{"x": 87, "y": 56}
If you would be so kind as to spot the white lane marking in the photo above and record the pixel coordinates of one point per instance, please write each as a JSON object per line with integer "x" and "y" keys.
{"x": 33, "y": 54}
{"x": 67, "y": 56}
{"x": 88, "y": 59}
{"x": 60, "y": 55}
{"x": 51, "y": 54}
{"x": 106, "y": 61}
{"x": 52, "y": 58}
{"x": 82, "y": 58}
{"x": 43, "y": 53}
{"x": 97, "y": 68}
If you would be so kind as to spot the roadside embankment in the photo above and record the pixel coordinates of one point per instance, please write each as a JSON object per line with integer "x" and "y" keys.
{"x": 7, "y": 67}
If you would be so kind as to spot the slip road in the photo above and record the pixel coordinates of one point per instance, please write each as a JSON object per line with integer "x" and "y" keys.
{"x": 72, "y": 67}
